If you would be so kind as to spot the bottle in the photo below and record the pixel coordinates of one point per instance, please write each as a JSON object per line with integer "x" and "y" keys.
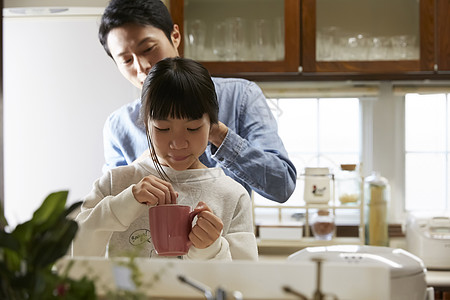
{"x": 323, "y": 225}
{"x": 377, "y": 198}
{"x": 348, "y": 185}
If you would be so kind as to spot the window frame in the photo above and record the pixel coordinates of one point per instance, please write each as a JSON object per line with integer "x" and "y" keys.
{"x": 382, "y": 113}
{"x": 382, "y": 128}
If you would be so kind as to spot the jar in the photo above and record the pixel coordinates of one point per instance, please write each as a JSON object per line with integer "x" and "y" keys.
{"x": 317, "y": 185}
{"x": 377, "y": 198}
{"x": 323, "y": 225}
{"x": 348, "y": 185}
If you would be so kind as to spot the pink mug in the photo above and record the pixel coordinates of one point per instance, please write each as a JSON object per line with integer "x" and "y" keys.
{"x": 170, "y": 225}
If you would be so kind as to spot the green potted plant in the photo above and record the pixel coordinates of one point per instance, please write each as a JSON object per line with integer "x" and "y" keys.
{"x": 28, "y": 253}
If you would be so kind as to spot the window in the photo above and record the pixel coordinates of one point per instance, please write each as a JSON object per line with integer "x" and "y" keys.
{"x": 389, "y": 128}
{"x": 316, "y": 132}
{"x": 427, "y": 137}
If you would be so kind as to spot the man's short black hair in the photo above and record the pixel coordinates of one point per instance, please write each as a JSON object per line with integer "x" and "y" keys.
{"x": 142, "y": 12}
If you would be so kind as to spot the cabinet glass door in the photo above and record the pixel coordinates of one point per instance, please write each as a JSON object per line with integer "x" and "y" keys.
{"x": 233, "y": 36}
{"x": 368, "y": 36}
{"x": 234, "y": 30}
{"x": 367, "y": 30}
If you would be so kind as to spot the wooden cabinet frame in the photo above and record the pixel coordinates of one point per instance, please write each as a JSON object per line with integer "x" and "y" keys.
{"x": 291, "y": 62}
{"x": 427, "y": 42}
{"x": 300, "y": 50}
{"x": 443, "y": 35}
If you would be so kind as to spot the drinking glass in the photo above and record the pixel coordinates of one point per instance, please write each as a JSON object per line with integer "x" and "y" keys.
{"x": 195, "y": 38}
{"x": 235, "y": 39}
{"x": 327, "y": 43}
{"x": 219, "y": 41}
{"x": 403, "y": 46}
{"x": 379, "y": 48}
{"x": 263, "y": 45}
{"x": 279, "y": 38}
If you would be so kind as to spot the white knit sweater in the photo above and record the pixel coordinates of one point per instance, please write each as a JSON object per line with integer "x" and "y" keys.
{"x": 111, "y": 220}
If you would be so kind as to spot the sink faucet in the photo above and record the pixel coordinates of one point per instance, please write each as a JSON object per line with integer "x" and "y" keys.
{"x": 220, "y": 292}
{"x": 318, "y": 295}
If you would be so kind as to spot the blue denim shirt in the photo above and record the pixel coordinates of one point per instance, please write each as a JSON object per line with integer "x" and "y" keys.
{"x": 252, "y": 152}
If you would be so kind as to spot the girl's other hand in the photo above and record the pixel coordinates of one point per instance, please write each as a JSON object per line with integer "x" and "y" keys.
{"x": 152, "y": 190}
{"x": 207, "y": 229}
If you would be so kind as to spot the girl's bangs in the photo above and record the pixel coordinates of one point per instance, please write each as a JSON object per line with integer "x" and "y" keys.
{"x": 176, "y": 102}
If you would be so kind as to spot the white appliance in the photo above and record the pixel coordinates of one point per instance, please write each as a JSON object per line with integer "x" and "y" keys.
{"x": 59, "y": 88}
{"x": 407, "y": 272}
{"x": 428, "y": 236}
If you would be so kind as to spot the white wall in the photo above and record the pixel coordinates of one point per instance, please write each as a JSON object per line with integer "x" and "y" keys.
{"x": 388, "y": 145}
{"x": 59, "y": 88}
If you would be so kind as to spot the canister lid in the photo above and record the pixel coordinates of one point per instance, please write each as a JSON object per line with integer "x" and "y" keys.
{"x": 348, "y": 167}
{"x": 323, "y": 212}
{"x": 376, "y": 179}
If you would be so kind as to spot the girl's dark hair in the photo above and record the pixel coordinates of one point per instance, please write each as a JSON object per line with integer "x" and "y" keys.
{"x": 142, "y": 12}
{"x": 177, "y": 88}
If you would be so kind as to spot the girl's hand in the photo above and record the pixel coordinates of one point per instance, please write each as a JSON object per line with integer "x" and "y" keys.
{"x": 153, "y": 191}
{"x": 207, "y": 229}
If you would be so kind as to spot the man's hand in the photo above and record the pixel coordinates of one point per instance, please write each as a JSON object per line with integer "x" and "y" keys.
{"x": 217, "y": 134}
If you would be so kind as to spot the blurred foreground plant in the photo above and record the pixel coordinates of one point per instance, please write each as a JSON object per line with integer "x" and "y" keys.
{"x": 28, "y": 253}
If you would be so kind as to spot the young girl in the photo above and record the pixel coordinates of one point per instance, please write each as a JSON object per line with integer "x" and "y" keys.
{"x": 179, "y": 105}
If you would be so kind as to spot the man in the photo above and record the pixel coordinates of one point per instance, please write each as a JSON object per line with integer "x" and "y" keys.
{"x": 245, "y": 144}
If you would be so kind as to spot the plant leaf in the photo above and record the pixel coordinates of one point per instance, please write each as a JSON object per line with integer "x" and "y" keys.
{"x": 52, "y": 207}
{"x": 23, "y": 233}
{"x": 73, "y": 207}
{"x": 54, "y": 244}
{"x": 3, "y": 221}
{"x": 43, "y": 218}
{"x": 9, "y": 241}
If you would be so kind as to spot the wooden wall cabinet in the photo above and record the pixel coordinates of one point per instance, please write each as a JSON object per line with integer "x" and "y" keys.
{"x": 250, "y": 10}
{"x": 366, "y": 19}
{"x": 425, "y": 21}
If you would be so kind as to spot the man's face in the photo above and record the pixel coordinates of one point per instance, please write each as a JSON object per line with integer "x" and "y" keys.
{"x": 136, "y": 49}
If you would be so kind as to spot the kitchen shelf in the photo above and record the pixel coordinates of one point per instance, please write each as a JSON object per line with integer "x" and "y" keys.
{"x": 307, "y": 239}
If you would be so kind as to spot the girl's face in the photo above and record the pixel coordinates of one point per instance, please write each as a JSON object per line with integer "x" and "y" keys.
{"x": 178, "y": 143}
